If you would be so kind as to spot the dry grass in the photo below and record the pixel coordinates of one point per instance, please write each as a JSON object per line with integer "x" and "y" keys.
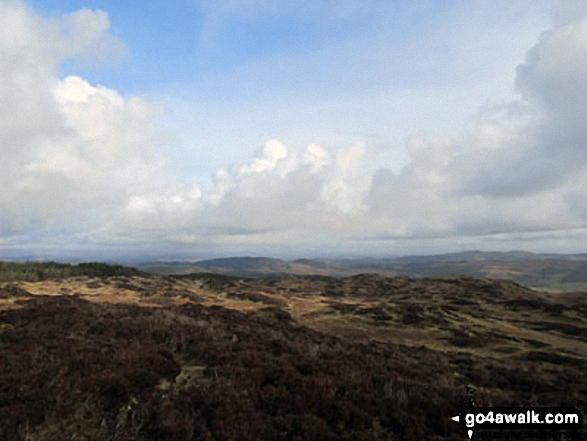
{"x": 145, "y": 291}
{"x": 444, "y": 315}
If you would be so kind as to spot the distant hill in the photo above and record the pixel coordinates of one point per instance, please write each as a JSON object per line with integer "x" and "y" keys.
{"x": 247, "y": 267}
{"x": 553, "y": 272}
{"x": 472, "y": 256}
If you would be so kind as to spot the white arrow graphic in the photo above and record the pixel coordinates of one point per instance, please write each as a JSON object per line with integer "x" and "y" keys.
{"x": 470, "y": 433}
{"x": 456, "y": 418}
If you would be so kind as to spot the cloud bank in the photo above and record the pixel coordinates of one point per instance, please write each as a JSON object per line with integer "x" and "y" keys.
{"x": 72, "y": 152}
{"x": 82, "y": 165}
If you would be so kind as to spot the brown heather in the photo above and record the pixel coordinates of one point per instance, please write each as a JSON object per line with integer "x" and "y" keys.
{"x": 134, "y": 357}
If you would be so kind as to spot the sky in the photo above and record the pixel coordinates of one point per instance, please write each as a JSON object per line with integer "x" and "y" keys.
{"x": 190, "y": 129}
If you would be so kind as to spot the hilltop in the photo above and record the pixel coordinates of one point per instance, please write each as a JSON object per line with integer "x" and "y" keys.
{"x": 214, "y": 357}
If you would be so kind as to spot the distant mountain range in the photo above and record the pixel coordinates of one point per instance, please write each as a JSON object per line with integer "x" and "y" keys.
{"x": 552, "y": 272}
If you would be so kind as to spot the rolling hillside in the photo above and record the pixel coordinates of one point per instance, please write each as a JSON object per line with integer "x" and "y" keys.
{"x": 556, "y": 273}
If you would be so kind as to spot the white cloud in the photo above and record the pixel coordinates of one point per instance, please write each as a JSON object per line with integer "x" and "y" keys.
{"x": 71, "y": 151}
{"x": 273, "y": 153}
{"x": 82, "y": 158}
{"x": 516, "y": 171}
{"x": 85, "y": 35}
{"x": 521, "y": 172}
{"x": 316, "y": 157}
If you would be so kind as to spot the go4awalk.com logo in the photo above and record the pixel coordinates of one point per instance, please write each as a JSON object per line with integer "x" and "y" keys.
{"x": 527, "y": 419}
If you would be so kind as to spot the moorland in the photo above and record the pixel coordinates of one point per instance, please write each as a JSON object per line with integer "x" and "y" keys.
{"x": 99, "y": 352}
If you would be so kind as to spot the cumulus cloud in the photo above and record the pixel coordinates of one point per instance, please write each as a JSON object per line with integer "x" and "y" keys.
{"x": 549, "y": 151}
{"x": 71, "y": 151}
{"x": 82, "y": 159}
{"x": 522, "y": 169}
{"x": 87, "y": 38}
{"x": 278, "y": 191}
{"x": 273, "y": 153}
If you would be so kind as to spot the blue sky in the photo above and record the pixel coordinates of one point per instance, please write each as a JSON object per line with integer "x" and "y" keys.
{"x": 197, "y": 128}
{"x": 188, "y": 41}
